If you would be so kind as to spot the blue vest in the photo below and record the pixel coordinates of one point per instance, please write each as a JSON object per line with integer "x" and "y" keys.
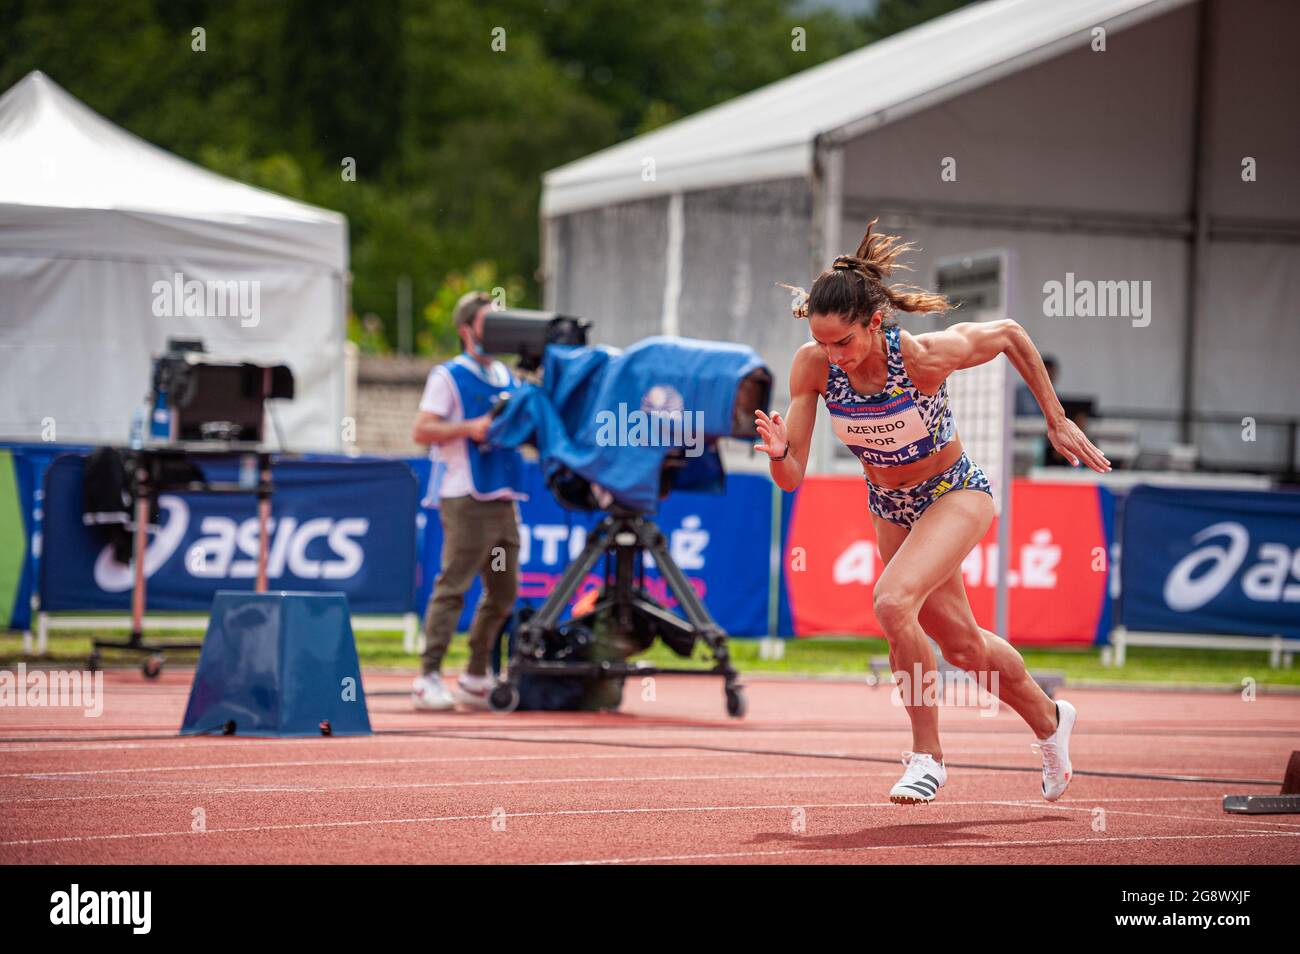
{"x": 495, "y": 468}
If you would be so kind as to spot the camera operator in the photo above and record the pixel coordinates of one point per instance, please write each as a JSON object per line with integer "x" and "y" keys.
{"x": 475, "y": 490}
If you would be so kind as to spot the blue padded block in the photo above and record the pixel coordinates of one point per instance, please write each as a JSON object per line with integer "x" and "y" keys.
{"x": 278, "y": 664}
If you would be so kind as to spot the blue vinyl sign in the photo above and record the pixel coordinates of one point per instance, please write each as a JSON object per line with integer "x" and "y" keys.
{"x": 721, "y": 543}
{"x": 345, "y": 526}
{"x": 1211, "y": 561}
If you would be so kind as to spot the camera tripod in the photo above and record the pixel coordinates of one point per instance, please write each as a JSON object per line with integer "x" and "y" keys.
{"x": 623, "y": 536}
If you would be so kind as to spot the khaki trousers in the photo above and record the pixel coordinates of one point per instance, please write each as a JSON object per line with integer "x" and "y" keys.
{"x": 480, "y": 538}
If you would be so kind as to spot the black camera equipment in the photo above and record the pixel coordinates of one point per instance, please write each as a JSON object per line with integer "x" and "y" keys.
{"x": 626, "y": 606}
{"x": 623, "y": 538}
{"x": 211, "y": 400}
{"x": 216, "y": 409}
{"x": 526, "y": 333}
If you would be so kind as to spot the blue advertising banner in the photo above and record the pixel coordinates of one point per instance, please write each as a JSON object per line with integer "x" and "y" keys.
{"x": 1108, "y": 500}
{"x": 355, "y": 526}
{"x": 343, "y": 525}
{"x": 1211, "y": 561}
{"x": 721, "y": 543}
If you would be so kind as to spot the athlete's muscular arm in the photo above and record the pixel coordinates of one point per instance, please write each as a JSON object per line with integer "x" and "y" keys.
{"x": 794, "y": 431}
{"x": 930, "y": 358}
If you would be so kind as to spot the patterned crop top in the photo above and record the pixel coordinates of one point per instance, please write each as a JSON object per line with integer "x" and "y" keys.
{"x": 896, "y": 426}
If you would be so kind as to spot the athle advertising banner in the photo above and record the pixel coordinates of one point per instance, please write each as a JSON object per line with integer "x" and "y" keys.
{"x": 1058, "y": 575}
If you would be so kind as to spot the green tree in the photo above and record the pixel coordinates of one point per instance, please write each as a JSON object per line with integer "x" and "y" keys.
{"x": 451, "y": 109}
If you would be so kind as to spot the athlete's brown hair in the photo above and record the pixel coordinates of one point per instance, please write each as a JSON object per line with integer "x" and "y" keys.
{"x": 856, "y": 285}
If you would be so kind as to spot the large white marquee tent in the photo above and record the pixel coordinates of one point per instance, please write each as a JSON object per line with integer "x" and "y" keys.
{"x": 1098, "y": 140}
{"x": 91, "y": 218}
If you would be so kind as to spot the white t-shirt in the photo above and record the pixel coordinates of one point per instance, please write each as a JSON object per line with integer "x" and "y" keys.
{"x": 451, "y": 477}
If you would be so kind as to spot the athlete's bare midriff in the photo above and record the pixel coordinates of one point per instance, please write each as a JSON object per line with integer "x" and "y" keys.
{"x": 908, "y": 475}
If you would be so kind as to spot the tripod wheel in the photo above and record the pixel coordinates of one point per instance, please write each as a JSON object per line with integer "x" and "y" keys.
{"x": 504, "y": 698}
{"x": 737, "y": 706}
{"x": 153, "y": 666}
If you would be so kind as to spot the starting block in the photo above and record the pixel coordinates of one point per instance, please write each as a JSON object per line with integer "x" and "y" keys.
{"x": 278, "y": 664}
{"x": 1286, "y": 803}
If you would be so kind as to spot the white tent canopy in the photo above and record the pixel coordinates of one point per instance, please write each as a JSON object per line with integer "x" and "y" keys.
{"x": 92, "y": 218}
{"x": 1150, "y": 142}
{"x": 770, "y": 133}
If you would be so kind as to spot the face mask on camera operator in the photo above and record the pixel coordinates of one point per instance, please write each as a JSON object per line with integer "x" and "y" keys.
{"x": 471, "y": 334}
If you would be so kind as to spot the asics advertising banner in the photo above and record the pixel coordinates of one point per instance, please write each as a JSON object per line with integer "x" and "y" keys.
{"x": 336, "y": 526}
{"x": 1211, "y": 561}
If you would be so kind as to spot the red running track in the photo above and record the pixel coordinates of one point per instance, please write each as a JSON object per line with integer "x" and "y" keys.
{"x": 803, "y": 779}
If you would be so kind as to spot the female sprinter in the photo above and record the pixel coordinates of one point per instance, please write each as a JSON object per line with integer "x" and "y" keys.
{"x": 886, "y": 391}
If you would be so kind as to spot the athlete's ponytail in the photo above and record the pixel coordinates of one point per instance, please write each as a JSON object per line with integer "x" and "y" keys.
{"x": 856, "y": 285}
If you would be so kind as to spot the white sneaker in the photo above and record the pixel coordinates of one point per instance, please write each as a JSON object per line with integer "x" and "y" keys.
{"x": 428, "y": 692}
{"x": 923, "y": 777}
{"x": 1055, "y": 750}
{"x": 473, "y": 691}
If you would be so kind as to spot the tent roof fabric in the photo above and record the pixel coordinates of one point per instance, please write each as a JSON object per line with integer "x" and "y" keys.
{"x": 771, "y": 133}
{"x": 58, "y": 154}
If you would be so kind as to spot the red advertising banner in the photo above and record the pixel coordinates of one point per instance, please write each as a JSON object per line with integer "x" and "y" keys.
{"x": 1057, "y": 570}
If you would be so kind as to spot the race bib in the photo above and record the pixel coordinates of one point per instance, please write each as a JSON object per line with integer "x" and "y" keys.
{"x": 884, "y": 434}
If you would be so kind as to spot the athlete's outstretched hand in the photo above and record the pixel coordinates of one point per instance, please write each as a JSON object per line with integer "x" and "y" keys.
{"x": 772, "y": 430}
{"x": 1074, "y": 446}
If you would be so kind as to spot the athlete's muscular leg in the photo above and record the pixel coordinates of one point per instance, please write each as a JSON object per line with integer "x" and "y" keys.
{"x": 946, "y": 617}
{"x": 908, "y": 647}
{"x": 927, "y": 556}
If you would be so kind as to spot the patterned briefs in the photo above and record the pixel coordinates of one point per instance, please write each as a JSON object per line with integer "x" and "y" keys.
{"x": 904, "y": 505}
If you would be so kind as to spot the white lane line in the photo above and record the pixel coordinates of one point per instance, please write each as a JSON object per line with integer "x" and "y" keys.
{"x": 400, "y": 786}
{"x": 1145, "y": 768}
{"x": 420, "y": 821}
{"x": 58, "y": 775}
{"x": 1028, "y": 842}
{"x": 428, "y": 734}
{"x": 245, "y": 742}
{"x": 665, "y": 752}
{"x": 572, "y": 812}
{"x": 1057, "y": 807}
{"x": 323, "y": 789}
{"x": 403, "y": 786}
{"x": 1129, "y": 798}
